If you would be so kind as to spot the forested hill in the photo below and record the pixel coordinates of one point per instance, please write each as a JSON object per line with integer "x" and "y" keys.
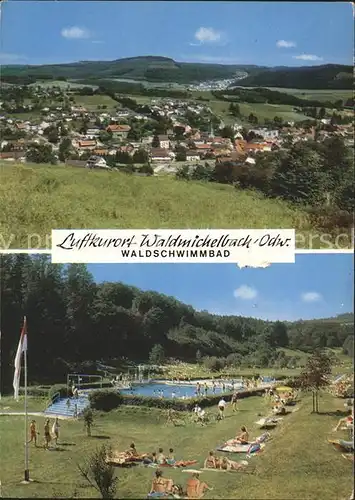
{"x": 72, "y": 319}
{"x": 164, "y": 70}
{"x": 149, "y": 68}
{"x": 329, "y": 76}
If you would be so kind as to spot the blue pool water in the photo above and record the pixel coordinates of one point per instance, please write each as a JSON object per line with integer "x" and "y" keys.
{"x": 181, "y": 391}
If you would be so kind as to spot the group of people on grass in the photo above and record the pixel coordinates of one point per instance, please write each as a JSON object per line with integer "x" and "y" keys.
{"x": 223, "y": 463}
{"x": 49, "y": 433}
{"x": 131, "y": 455}
{"x": 164, "y": 487}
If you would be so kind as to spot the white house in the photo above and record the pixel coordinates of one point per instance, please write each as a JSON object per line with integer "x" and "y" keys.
{"x": 266, "y": 133}
{"x": 92, "y": 133}
{"x": 164, "y": 142}
{"x": 96, "y": 162}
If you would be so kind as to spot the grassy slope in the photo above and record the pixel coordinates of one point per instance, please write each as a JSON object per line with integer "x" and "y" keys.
{"x": 36, "y": 199}
{"x": 297, "y": 463}
{"x": 194, "y": 371}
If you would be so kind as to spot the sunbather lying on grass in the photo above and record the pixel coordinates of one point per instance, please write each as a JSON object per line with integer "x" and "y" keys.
{"x": 347, "y": 421}
{"x": 226, "y": 464}
{"x": 130, "y": 455}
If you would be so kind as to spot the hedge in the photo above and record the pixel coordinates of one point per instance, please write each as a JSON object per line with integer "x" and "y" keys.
{"x": 35, "y": 391}
{"x": 109, "y": 400}
{"x": 61, "y": 388}
{"x": 95, "y": 385}
{"x": 105, "y": 400}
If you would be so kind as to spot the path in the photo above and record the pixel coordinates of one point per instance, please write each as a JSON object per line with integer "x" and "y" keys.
{"x": 32, "y": 414}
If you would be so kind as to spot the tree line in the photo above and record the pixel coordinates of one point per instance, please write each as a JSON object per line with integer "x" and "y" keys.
{"x": 313, "y": 174}
{"x": 72, "y": 319}
{"x": 264, "y": 95}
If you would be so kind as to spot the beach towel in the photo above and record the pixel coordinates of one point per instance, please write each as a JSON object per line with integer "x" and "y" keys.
{"x": 342, "y": 445}
{"x": 232, "y": 446}
{"x": 249, "y": 469}
{"x": 177, "y": 465}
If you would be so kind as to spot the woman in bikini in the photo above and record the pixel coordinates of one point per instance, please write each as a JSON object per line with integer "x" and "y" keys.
{"x": 47, "y": 435}
{"x": 196, "y": 488}
{"x": 160, "y": 485}
{"x": 211, "y": 461}
{"x": 55, "y": 430}
{"x": 243, "y": 436}
{"x": 33, "y": 432}
{"x": 161, "y": 457}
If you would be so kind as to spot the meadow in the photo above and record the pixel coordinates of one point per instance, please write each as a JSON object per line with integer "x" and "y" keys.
{"x": 91, "y": 102}
{"x": 34, "y": 199}
{"x": 296, "y": 463}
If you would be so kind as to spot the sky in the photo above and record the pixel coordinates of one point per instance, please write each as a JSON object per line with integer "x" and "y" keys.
{"x": 261, "y": 33}
{"x": 316, "y": 286}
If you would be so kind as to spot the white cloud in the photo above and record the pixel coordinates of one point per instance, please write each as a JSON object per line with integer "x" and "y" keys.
{"x": 308, "y": 57}
{"x": 75, "y": 33}
{"x": 245, "y": 292}
{"x": 311, "y": 297}
{"x": 284, "y": 44}
{"x": 208, "y": 35}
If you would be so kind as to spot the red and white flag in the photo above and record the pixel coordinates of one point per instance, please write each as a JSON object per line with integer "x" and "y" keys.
{"x": 22, "y": 347}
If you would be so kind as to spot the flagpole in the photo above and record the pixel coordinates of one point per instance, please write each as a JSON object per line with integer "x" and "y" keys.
{"x": 27, "y": 471}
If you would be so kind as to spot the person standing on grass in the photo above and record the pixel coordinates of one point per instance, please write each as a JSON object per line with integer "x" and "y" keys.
{"x": 47, "y": 434}
{"x": 234, "y": 401}
{"x": 221, "y": 407}
{"x": 75, "y": 415}
{"x": 55, "y": 430}
{"x": 33, "y": 433}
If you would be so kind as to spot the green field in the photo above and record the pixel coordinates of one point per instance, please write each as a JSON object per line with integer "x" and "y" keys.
{"x": 319, "y": 95}
{"x": 297, "y": 462}
{"x": 262, "y": 111}
{"x": 35, "y": 199}
{"x": 92, "y": 101}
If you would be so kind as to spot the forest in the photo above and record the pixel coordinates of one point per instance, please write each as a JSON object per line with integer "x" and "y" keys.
{"x": 71, "y": 320}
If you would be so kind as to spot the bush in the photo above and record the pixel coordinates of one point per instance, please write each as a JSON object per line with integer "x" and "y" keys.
{"x": 105, "y": 400}
{"x": 109, "y": 400}
{"x": 35, "y": 391}
{"x": 214, "y": 364}
{"x": 62, "y": 389}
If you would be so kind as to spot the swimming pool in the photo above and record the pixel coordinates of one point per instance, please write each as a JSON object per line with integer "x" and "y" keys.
{"x": 179, "y": 391}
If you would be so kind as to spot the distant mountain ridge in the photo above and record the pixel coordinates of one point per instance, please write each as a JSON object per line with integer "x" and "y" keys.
{"x": 164, "y": 69}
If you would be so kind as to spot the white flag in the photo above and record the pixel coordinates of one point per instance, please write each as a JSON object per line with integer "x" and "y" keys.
{"x": 22, "y": 347}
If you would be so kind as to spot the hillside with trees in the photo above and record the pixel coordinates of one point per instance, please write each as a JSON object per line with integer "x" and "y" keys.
{"x": 328, "y": 76}
{"x": 164, "y": 69}
{"x": 72, "y": 319}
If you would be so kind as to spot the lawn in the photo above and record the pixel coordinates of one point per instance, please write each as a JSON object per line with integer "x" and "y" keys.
{"x": 297, "y": 463}
{"x": 319, "y": 95}
{"x": 262, "y": 111}
{"x": 35, "y": 199}
{"x": 91, "y": 102}
{"x": 195, "y": 371}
